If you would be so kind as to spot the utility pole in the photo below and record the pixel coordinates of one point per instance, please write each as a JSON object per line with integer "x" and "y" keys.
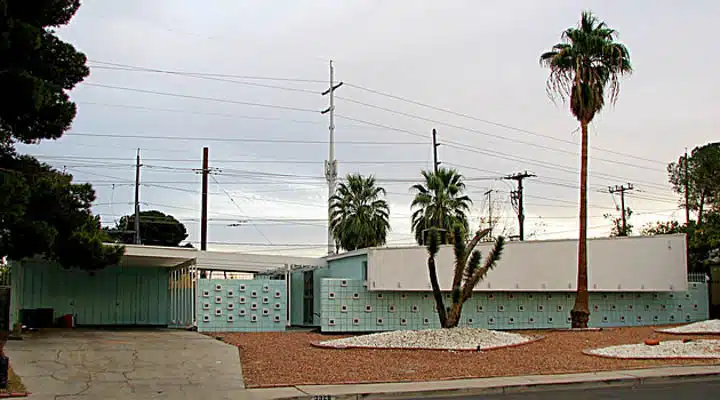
{"x": 490, "y": 220}
{"x": 687, "y": 190}
{"x": 622, "y": 189}
{"x": 137, "y": 198}
{"x": 331, "y": 163}
{"x": 516, "y": 197}
{"x": 204, "y": 205}
{"x": 436, "y": 163}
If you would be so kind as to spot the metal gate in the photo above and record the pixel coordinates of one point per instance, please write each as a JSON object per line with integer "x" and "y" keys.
{"x": 183, "y": 302}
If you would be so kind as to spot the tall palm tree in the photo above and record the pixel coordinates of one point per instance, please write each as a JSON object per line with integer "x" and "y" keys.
{"x": 360, "y": 218}
{"x": 440, "y": 202}
{"x": 583, "y": 67}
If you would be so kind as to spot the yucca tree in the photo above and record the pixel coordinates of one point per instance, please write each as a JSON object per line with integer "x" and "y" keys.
{"x": 441, "y": 203}
{"x": 585, "y": 68}
{"x": 360, "y": 215}
{"x": 467, "y": 272}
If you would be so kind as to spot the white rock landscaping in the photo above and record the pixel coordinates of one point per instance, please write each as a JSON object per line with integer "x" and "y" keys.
{"x": 666, "y": 349}
{"x": 436, "y": 339}
{"x": 711, "y": 326}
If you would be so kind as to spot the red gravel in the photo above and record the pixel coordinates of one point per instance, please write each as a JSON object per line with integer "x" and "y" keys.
{"x": 288, "y": 358}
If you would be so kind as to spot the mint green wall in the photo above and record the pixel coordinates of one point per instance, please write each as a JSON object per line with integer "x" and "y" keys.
{"x": 113, "y": 296}
{"x": 347, "y": 306}
{"x": 296, "y": 298}
{"x": 346, "y": 267}
{"x": 234, "y": 305}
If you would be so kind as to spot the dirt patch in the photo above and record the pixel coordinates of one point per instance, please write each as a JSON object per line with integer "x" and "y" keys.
{"x": 15, "y": 385}
{"x": 288, "y": 358}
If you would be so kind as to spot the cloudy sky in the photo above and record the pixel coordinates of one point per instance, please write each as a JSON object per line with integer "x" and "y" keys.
{"x": 268, "y": 140}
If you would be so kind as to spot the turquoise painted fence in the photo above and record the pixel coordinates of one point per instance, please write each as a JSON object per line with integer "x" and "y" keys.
{"x": 347, "y": 306}
{"x": 111, "y": 296}
{"x": 242, "y": 305}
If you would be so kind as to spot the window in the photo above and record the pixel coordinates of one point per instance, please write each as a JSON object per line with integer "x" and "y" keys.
{"x": 364, "y": 271}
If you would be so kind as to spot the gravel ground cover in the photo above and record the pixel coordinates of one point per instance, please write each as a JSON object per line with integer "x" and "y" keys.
{"x": 665, "y": 349}
{"x": 288, "y": 358}
{"x": 711, "y": 326}
{"x": 437, "y": 339}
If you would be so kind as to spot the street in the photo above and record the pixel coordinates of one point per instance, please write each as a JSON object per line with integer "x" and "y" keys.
{"x": 686, "y": 390}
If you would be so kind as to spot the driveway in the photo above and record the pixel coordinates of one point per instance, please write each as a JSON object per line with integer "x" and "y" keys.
{"x": 131, "y": 364}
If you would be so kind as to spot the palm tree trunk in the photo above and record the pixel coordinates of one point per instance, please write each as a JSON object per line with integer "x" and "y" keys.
{"x": 580, "y": 312}
{"x": 439, "y": 304}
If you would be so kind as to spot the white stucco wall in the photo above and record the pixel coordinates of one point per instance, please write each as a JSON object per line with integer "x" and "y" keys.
{"x": 656, "y": 263}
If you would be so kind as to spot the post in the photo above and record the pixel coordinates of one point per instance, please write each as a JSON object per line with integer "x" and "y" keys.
{"x": 687, "y": 190}
{"x": 490, "y": 220}
{"x": 204, "y": 206}
{"x": 331, "y": 163}
{"x": 521, "y": 210}
{"x": 517, "y": 196}
{"x": 137, "y": 198}
{"x": 622, "y": 189}
{"x": 436, "y": 163}
{"x": 622, "y": 205}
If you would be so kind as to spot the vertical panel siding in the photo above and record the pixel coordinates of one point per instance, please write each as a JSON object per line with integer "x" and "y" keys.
{"x": 113, "y": 296}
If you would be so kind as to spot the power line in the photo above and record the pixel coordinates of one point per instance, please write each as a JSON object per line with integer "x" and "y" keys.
{"x": 192, "y": 97}
{"x": 239, "y": 140}
{"x": 207, "y": 78}
{"x": 498, "y": 124}
{"x": 239, "y": 208}
{"x": 187, "y": 73}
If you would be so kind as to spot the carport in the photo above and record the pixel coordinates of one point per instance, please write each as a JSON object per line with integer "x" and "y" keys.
{"x": 152, "y": 286}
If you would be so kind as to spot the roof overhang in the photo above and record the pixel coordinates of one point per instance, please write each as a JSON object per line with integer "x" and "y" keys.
{"x": 157, "y": 256}
{"x": 169, "y": 257}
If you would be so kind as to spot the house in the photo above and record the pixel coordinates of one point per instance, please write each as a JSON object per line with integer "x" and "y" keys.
{"x": 632, "y": 281}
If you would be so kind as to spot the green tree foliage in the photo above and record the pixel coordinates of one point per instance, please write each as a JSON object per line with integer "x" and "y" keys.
{"x": 360, "y": 217}
{"x": 468, "y": 271}
{"x": 440, "y": 202}
{"x": 42, "y": 211}
{"x": 617, "y": 225}
{"x": 702, "y": 239}
{"x": 45, "y": 214}
{"x": 584, "y": 68}
{"x": 37, "y": 69}
{"x": 703, "y": 178}
{"x": 156, "y": 229}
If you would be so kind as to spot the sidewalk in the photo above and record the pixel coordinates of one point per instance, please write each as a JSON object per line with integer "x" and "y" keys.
{"x": 484, "y": 385}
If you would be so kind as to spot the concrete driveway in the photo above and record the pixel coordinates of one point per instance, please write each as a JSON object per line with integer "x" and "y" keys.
{"x": 132, "y": 364}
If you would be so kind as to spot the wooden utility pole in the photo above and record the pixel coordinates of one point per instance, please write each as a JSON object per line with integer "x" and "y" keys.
{"x": 622, "y": 189}
{"x": 436, "y": 163}
{"x": 204, "y": 205}
{"x": 137, "y": 199}
{"x": 490, "y": 219}
{"x": 516, "y": 197}
{"x": 687, "y": 190}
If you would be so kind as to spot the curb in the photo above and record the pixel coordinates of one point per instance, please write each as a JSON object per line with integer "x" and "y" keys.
{"x": 342, "y": 347}
{"x": 523, "y": 385}
{"x": 588, "y": 353}
{"x": 688, "y": 333}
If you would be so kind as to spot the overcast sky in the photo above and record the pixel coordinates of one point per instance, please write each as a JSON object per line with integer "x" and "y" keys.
{"x": 474, "y": 58}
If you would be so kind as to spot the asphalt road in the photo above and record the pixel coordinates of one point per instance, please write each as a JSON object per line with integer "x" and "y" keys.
{"x": 683, "y": 390}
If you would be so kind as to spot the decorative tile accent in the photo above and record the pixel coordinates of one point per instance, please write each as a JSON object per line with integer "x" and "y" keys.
{"x": 240, "y": 299}
{"x": 525, "y": 310}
